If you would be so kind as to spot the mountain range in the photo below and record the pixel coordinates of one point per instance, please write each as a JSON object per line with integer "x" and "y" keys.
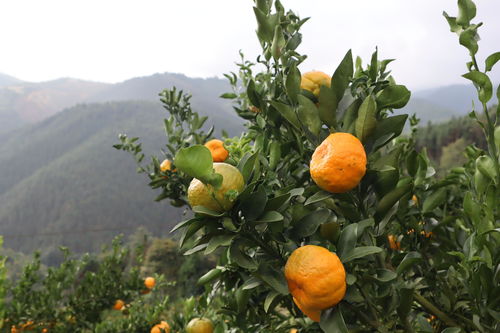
{"x": 62, "y": 183}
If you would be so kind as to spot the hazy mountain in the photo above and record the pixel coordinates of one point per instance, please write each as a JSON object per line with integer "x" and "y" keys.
{"x": 7, "y": 80}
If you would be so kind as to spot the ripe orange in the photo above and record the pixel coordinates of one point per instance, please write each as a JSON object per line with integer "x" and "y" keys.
{"x": 162, "y": 327}
{"x": 393, "y": 243}
{"x": 200, "y": 325}
{"x": 201, "y": 195}
{"x": 316, "y": 279}
{"x": 165, "y": 165}
{"x": 339, "y": 163}
{"x": 150, "y": 282}
{"x": 216, "y": 147}
{"x": 313, "y": 81}
{"x": 119, "y": 304}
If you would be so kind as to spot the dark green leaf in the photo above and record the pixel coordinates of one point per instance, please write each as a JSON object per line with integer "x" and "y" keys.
{"x": 241, "y": 258}
{"x": 309, "y": 115}
{"x": 366, "y": 121}
{"x": 308, "y": 225}
{"x": 328, "y": 106}
{"x": 183, "y": 224}
{"x": 360, "y": 252}
{"x": 434, "y": 200}
{"x": 492, "y": 60}
{"x": 385, "y": 275}
{"x": 269, "y": 300}
{"x": 219, "y": 240}
{"x": 274, "y": 278}
{"x": 374, "y": 65}
{"x": 342, "y": 76}
{"x": 196, "y": 249}
{"x": 318, "y": 197}
{"x": 228, "y": 95}
{"x": 466, "y": 12}
{"x": 247, "y": 165}
{"x": 405, "y": 302}
{"x": 287, "y": 112}
{"x": 293, "y": 82}
{"x": 206, "y": 212}
{"x": 252, "y": 94}
{"x": 270, "y": 217}
{"x": 348, "y": 239}
{"x": 452, "y": 330}
{"x": 389, "y": 128}
{"x": 390, "y": 199}
{"x": 254, "y": 205}
{"x": 210, "y": 276}
{"x": 277, "y": 202}
{"x": 409, "y": 260}
{"x": 393, "y": 97}
{"x": 332, "y": 321}
{"x": 350, "y": 116}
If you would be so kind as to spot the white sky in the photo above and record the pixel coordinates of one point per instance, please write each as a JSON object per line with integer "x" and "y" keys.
{"x": 114, "y": 40}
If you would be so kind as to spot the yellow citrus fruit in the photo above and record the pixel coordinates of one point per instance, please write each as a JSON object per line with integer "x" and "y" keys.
{"x": 393, "y": 243}
{"x": 165, "y": 165}
{"x": 316, "y": 279}
{"x": 216, "y": 147}
{"x": 200, "y": 194}
{"x": 339, "y": 163}
{"x": 313, "y": 81}
{"x": 150, "y": 282}
{"x": 119, "y": 304}
{"x": 162, "y": 327}
{"x": 200, "y": 325}
{"x": 293, "y": 330}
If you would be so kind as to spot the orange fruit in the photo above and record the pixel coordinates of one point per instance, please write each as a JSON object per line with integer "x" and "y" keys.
{"x": 162, "y": 327}
{"x": 393, "y": 243}
{"x": 45, "y": 330}
{"x": 316, "y": 279}
{"x": 150, "y": 282}
{"x": 200, "y": 325}
{"x": 339, "y": 163}
{"x": 200, "y": 194}
{"x": 165, "y": 165}
{"x": 293, "y": 330}
{"x": 216, "y": 147}
{"x": 313, "y": 81}
{"x": 119, "y": 304}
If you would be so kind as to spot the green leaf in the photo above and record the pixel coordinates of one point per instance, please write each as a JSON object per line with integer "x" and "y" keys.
{"x": 452, "y": 22}
{"x": 217, "y": 241}
{"x": 274, "y": 278}
{"x": 389, "y": 128}
{"x": 466, "y": 12}
{"x": 405, "y": 302}
{"x": 293, "y": 82}
{"x": 390, "y": 199}
{"x": 360, "y": 252}
{"x": 486, "y": 166}
{"x": 393, "y": 97}
{"x": 367, "y": 121}
{"x": 342, "y": 76}
{"x": 196, "y": 249}
{"x": 251, "y": 283}
{"x": 452, "y": 330}
{"x": 491, "y": 61}
{"x": 270, "y": 298}
{"x": 278, "y": 43}
{"x": 206, "y": 212}
{"x": 265, "y": 27}
{"x": 385, "y": 275}
{"x": 374, "y": 65}
{"x": 195, "y": 161}
{"x": 242, "y": 296}
{"x": 255, "y": 204}
{"x": 318, "y": 197}
{"x": 270, "y": 217}
{"x": 252, "y": 94}
{"x": 483, "y": 82}
{"x": 472, "y": 209}
{"x": 332, "y": 321}
{"x": 308, "y": 225}
{"x": 348, "y": 239}
{"x": 183, "y": 224}
{"x": 277, "y": 202}
{"x": 247, "y": 165}
{"x": 434, "y": 200}
{"x": 468, "y": 38}
{"x": 228, "y": 95}
{"x": 287, "y": 112}
{"x": 350, "y": 116}
{"x": 409, "y": 260}
{"x": 309, "y": 115}
{"x": 241, "y": 258}
{"x": 328, "y": 106}
{"x": 209, "y": 276}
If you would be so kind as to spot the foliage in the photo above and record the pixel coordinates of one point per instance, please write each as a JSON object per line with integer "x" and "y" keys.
{"x": 444, "y": 278}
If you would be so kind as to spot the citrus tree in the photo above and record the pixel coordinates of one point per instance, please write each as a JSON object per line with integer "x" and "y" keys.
{"x": 324, "y": 215}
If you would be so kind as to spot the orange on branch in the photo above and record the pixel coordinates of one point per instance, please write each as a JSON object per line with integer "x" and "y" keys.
{"x": 162, "y": 327}
{"x": 119, "y": 304}
{"x": 200, "y": 325}
{"x": 216, "y": 147}
{"x": 339, "y": 163}
{"x": 393, "y": 243}
{"x": 313, "y": 81}
{"x": 150, "y": 282}
{"x": 316, "y": 279}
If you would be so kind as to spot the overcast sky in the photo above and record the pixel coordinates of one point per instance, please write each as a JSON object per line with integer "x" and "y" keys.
{"x": 114, "y": 40}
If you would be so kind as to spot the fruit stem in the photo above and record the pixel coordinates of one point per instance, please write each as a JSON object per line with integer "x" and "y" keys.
{"x": 426, "y": 304}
